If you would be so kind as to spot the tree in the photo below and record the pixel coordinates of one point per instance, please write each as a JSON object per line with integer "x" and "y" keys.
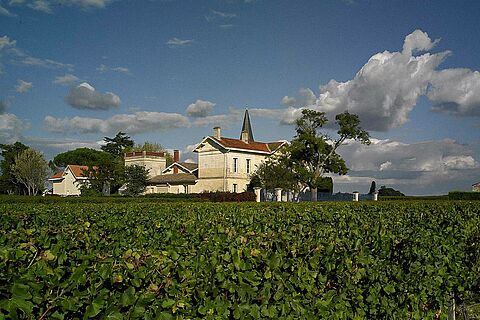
{"x": 373, "y": 188}
{"x": 31, "y": 170}
{"x": 81, "y": 156}
{"x": 8, "y": 182}
{"x": 105, "y": 177}
{"x": 273, "y": 173}
{"x": 389, "y": 192}
{"x": 151, "y": 147}
{"x": 136, "y": 178}
{"x": 117, "y": 144}
{"x": 313, "y": 153}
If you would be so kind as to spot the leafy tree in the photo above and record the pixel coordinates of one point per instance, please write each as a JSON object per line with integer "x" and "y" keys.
{"x": 117, "y": 144}
{"x": 104, "y": 178}
{"x": 373, "y": 188}
{"x": 31, "y": 170}
{"x": 273, "y": 173}
{"x": 151, "y": 147}
{"x": 389, "y": 192}
{"x": 81, "y": 156}
{"x": 136, "y": 178}
{"x": 313, "y": 153}
{"x": 8, "y": 183}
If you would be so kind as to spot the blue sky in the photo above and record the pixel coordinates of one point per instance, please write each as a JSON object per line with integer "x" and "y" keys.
{"x": 74, "y": 71}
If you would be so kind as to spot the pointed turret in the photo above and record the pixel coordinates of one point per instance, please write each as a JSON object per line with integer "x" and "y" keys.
{"x": 246, "y": 134}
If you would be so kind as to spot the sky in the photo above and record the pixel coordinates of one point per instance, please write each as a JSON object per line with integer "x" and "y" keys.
{"x": 167, "y": 71}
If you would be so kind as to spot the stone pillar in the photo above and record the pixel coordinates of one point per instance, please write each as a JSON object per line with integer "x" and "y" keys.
{"x": 257, "y": 193}
{"x": 375, "y": 196}
{"x": 355, "y": 195}
{"x": 278, "y": 194}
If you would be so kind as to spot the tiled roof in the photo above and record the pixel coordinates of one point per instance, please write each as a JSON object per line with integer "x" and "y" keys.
{"x": 177, "y": 178}
{"x": 56, "y": 176}
{"x": 255, "y": 146}
{"x": 189, "y": 165}
{"x": 78, "y": 170}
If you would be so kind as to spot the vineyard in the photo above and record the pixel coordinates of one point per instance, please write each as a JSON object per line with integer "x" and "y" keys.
{"x": 178, "y": 260}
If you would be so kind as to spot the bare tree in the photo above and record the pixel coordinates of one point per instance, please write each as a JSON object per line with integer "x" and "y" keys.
{"x": 31, "y": 170}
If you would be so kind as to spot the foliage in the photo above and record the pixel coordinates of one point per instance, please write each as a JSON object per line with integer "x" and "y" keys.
{"x": 8, "y": 182}
{"x": 136, "y": 177}
{"x": 460, "y": 195}
{"x": 151, "y": 147}
{"x": 275, "y": 172}
{"x": 104, "y": 178}
{"x": 373, "y": 188}
{"x": 390, "y": 192}
{"x": 237, "y": 261}
{"x": 81, "y": 156}
{"x": 220, "y": 196}
{"x": 117, "y": 144}
{"x": 313, "y": 153}
{"x": 31, "y": 170}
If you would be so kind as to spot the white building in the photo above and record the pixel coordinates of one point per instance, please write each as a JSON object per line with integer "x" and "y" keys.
{"x": 68, "y": 181}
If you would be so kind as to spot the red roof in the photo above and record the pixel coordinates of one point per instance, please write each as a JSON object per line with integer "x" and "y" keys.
{"x": 57, "y": 175}
{"x": 78, "y": 170}
{"x": 256, "y": 146}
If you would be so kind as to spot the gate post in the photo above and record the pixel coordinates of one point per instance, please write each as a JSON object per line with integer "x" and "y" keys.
{"x": 278, "y": 194}
{"x": 355, "y": 196}
{"x": 257, "y": 193}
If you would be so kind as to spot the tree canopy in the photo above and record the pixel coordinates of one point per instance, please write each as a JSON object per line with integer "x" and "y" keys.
{"x": 313, "y": 153}
{"x": 8, "y": 182}
{"x": 81, "y": 156}
{"x": 31, "y": 170}
{"x": 117, "y": 145}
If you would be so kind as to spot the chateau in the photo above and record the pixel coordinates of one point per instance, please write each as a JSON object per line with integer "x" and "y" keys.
{"x": 224, "y": 164}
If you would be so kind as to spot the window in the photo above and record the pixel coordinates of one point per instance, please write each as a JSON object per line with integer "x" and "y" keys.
{"x": 235, "y": 164}
{"x": 248, "y": 165}
{"x": 235, "y": 188}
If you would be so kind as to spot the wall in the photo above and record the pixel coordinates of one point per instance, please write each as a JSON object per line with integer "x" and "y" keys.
{"x": 155, "y": 164}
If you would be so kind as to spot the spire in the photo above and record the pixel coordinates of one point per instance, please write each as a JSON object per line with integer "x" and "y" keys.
{"x": 247, "y": 127}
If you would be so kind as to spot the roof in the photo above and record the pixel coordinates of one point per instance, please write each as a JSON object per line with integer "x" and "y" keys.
{"x": 476, "y": 184}
{"x": 144, "y": 154}
{"x": 57, "y": 176}
{"x": 188, "y": 166}
{"x": 230, "y": 143}
{"x": 247, "y": 127}
{"x": 77, "y": 170}
{"x": 178, "y": 178}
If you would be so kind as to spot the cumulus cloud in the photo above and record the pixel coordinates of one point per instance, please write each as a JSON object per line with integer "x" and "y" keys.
{"x": 66, "y": 80}
{"x": 429, "y": 167}
{"x": 84, "y": 96}
{"x": 138, "y": 122}
{"x": 11, "y": 127}
{"x": 23, "y": 86}
{"x": 233, "y": 117}
{"x": 456, "y": 91}
{"x": 200, "y": 108}
{"x": 386, "y": 89}
{"x": 177, "y": 42}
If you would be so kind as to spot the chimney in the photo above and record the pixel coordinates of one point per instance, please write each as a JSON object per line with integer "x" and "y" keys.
{"x": 176, "y": 158}
{"x": 216, "y": 133}
{"x": 244, "y": 136}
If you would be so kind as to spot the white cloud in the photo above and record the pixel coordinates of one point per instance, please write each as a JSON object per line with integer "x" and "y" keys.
{"x": 429, "y": 167}
{"x": 225, "y": 15}
{"x": 66, "y": 80}
{"x": 138, "y": 122}
{"x": 11, "y": 127}
{"x": 6, "y": 42}
{"x": 103, "y": 68}
{"x": 223, "y": 120}
{"x": 177, "y": 42}
{"x": 386, "y": 89}
{"x": 41, "y": 5}
{"x": 200, "y": 108}
{"x": 456, "y": 91}
{"x": 23, "y": 86}
{"x": 84, "y": 96}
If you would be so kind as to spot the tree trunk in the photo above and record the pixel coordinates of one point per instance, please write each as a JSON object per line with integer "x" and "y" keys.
{"x": 313, "y": 195}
